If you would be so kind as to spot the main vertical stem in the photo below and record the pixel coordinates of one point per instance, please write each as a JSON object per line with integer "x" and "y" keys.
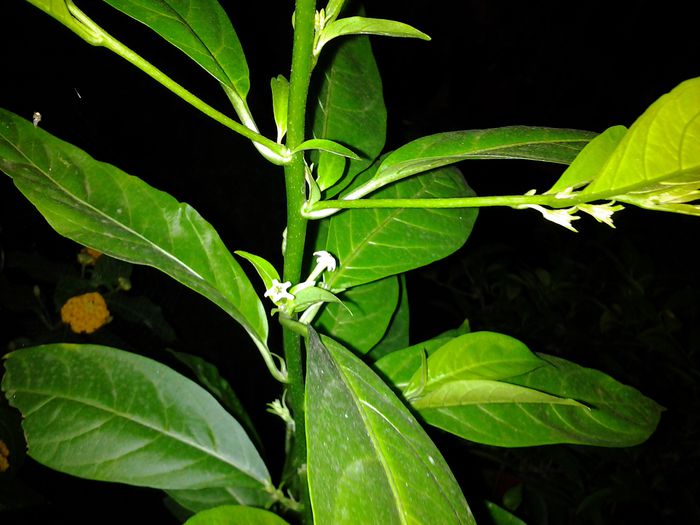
{"x": 296, "y": 224}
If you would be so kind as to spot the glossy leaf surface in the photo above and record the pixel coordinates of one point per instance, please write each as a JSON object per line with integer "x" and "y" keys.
{"x": 588, "y": 408}
{"x": 366, "y": 314}
{"x": 370, "y": 244}
{"x": 235, "y": 515}
{"x": 98, "y": 205}
{"x": 104, "y": 414}
{"x": 200, "y": 29}
{"x": 541, "y": 144}
{"x": 360, "y": 25}
{"x": 349, "y": 110}
{"x": 369, "y": 461}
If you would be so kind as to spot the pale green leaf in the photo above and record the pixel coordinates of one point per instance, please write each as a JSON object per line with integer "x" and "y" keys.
{"x": 312, "y": 295}
{"x": 370, "y": 244}
{"x": 608, "y": 414}
{"x": 500, "y": 516}
{"x": 592, "y": 158}
{"x": 477, "y": 355}
{"x": 98, "y": 205}
{"x": 366, "y": 316}
{"x": 541, "y": 144}
{"x": 104, "y": 414}
{"x": 360, "y": 25}
{"x": 200, "y": 29}
{"x": 235, "y": 515}
{"x": 657, "y": 163}
{"x": 265, "y": 270}
{"x": 279, "y": 86}
{"x": 349, "y": 109}
{"x": 369, "y": 461}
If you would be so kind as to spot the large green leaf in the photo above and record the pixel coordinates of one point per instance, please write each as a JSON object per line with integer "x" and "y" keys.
{"x": 558, "y": 403}
{"x": 369, "y": 461}
{"x": 477, "y": 355}
{"x": 373, "y": 243}
{"x": 235, "y": 515}
{"x": 657, "y": 163}
{"x": 518, "y": 142}
{"x": 104, "y": 414}
{"x": 361, "y": 321}
{"x": 98, "y": 205}
{"x": 396, "y": 336}
{"x": 349, "y": 110}
{"x": 399, "y": 366}
{"x": 200, "y": 29}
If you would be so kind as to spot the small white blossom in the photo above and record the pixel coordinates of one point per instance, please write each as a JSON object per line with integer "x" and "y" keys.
{"x": 325, "y": 259}
{"x": 279, "y": 408}
{"x": 565, "y": 194}
{"x": 601, "y": 212}
{"x": 563, "y": 217}
{"x": 278, "y": 291}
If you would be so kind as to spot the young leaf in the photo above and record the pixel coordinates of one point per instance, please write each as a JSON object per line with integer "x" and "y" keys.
{"x": 360, "y": 25}
{"x": 104, "y": 414}
{"x": 235, "y": 514}
{"x": 264, "y": 268}
{"x": 98, "y": 205}
{"x": 373, "y": 243}
{"x": 592, "y": 158}
{"x": 366, "y": 316}
{"x": 585, "y": 407}
{"x": 657, "y": 163}
{"x": 477, "y": 355}
{"x": 369, "y": 461}
{"x": 280, "y": 103}
{"x": 396, "y": 336}
{"x": 500, "y": 516}
{"x": 542, "y": 144}
{"x": 328, "y": 146}
{"x": 312, "y": 295}
{"x": 200, "y": 29}
{"x": 349, "y": 110}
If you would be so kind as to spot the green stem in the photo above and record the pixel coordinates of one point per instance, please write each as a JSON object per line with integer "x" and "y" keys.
{"x": 296, "y": 224}
{"x": 322, "y": 209}
{"x": 276, "y": 153}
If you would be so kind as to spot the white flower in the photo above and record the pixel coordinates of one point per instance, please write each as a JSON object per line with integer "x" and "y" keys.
{"x": 278, "y": 291}
{"x": 325, "y": 259}
{"x": 563, "y": 217}
{"x": 601, "y": 212}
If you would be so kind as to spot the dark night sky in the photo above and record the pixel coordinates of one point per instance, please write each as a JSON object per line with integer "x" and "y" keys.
{"x": 578, "y": 65}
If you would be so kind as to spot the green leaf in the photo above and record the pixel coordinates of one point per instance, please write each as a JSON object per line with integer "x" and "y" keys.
{"x": 605, "y": 413}
{"x": 500, "y": 516}
{"x": 333, "y": 9}
{"x": 209, "y": 377}
{"x": 200, "y": 29}
{"x": 542, "y": 144}
{"x": 360, "y": 25}
{"x": 396, "y": 336}
{"x": 104, "y": 414}
{"x": 399, "y": 366}
{"x": 657, "y": 163}
{"x": 326, "y": 145}
{"x": 98, "y": 205}
{"x": 370, "y": 244}
{"x": 235, "y": 515}
{"x": 477, "y": 355}
{"x": 58, "y": 9}
{"x": 265, "y": 270}
{"x": 311, "y": 295}
{"x": 279, "y": 86}
{"x": 349, "y": 110}
{"x": 366, "y": 316}
{"x": 588, "y": 163}
{"x": 369, "y": 461}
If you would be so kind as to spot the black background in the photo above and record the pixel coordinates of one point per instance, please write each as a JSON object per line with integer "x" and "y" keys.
{"x": 585, "y": 66}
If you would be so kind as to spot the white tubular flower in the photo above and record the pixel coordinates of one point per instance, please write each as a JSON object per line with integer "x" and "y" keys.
{"x": 563, "y": 217}
{"x": 324, "y": 262}
{"x": 277, "y": 292}
{"x": 601, "y": 212}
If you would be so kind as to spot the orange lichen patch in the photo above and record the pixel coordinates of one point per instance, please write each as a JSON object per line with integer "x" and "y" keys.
{"x": 4, "y": 454}
{"x": 85, "y": 313}
{"x": 88, "y": 256}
